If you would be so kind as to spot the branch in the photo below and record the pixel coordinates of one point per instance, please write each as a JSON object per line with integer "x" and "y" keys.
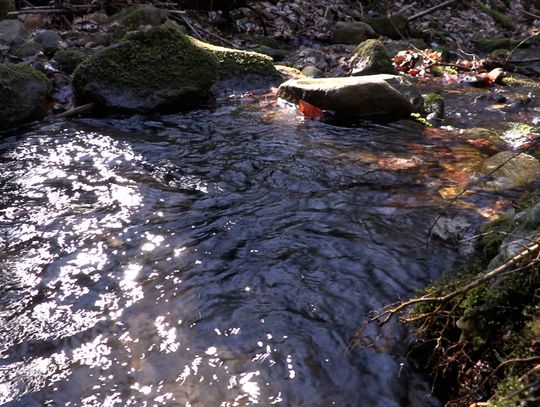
{"x": 431, "y": 10}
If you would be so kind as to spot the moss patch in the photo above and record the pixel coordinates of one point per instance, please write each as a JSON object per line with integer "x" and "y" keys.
{"x": 234, "y": 62}
{"x": 68, "y": 59}
{"x": 370, "y": 58}
{"x": 23, "y": 91}
{"x": 497, "y": 16}
{"x": 469, "y": 337}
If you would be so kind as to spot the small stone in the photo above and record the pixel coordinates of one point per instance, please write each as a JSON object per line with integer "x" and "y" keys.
{"x": 371, "y": 58}
{"x": 311, "y": 71}
{"x": 49, "y": 41}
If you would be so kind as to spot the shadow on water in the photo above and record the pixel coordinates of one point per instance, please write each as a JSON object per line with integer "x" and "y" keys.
{"x": 214, "y": 258}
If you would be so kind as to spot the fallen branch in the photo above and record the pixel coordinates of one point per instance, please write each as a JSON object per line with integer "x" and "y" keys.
{"x": 388, "y": 312}
{"x": 431, "y": 10}
{"x": 76, "y": 110}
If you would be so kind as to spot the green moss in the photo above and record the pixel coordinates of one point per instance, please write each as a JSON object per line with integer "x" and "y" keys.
{"x": 68, "y": 59}
{"x": 495, "y": 44}
{"x": 373, "y": 58}
{"x": 497, "y": 16}
{"x": 234, "y": 62}
{"x": 434, "y": 103}
{"x": 22, "y": 92}
{"x": 525, "y": 82}
{"x": 496, "y": 321}
{"x": 439, "y": 70}
{"x": 137, "y": 16}
{"x": 149, "y": 60}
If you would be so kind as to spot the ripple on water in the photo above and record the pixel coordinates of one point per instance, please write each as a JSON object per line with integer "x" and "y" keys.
{"x": 209, "y": 261}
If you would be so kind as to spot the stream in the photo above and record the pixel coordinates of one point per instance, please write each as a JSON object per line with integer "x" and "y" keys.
{"x": 218, "y": 258}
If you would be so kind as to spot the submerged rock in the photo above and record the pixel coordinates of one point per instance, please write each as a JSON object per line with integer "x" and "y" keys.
{"x": 352, "y": 33}
{"x": 515, "y": 171}
{"x": 161, "y": 69}
{"x": 23, "y": 94}
{"x": 371, "y": 58}
{"x": 374, "y": 96}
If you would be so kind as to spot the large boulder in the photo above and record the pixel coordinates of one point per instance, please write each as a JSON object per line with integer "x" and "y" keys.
{"x": 374, "y": 96}
{"x": 507, "y": 170}
{"x": 352, "y": 33}
{"x": 12, "y": 32}
{"x": 23, "y": 94}
{"x": 161, "y": 68}
{"x": 371, "y": 58}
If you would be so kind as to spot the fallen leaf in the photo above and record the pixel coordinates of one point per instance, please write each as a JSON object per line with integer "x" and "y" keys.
{"x": 310, "y": 111}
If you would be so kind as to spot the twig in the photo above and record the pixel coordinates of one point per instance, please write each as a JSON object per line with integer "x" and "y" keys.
{"x": 470, "y": 186}
{"x": 530, "y": 14}
{"x": 76, "y": 110}
{"x": 431, "y": 10}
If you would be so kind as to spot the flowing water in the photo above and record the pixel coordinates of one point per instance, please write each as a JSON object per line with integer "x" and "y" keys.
{"x": 216, "y": 258}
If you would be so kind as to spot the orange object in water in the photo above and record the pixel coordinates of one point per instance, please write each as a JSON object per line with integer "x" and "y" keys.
{"x": 310, "y": 111}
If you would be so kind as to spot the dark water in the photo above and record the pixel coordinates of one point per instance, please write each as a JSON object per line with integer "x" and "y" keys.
{"x": 214, "y": 259}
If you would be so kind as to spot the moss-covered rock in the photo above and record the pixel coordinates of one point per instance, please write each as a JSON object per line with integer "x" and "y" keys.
{"x": 27, "y": 49}
{"x": 233, "y": 62}
{"x": 135, "y": 18}
{"x": 493, "y": 44}
{"x": 395, "y": 27}
{"x": 23, "y": 94}
{"x": 508, "y": 170}
{"x": 161, "y": 68}
{"x": 154, "y": 69}
{"x": 434, "y": 105}
{"x": 67, "y": 60}
{"x": 371, "y": 58}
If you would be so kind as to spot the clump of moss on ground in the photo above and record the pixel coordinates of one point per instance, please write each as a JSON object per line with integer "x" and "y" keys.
{"x": 485, "y": 344}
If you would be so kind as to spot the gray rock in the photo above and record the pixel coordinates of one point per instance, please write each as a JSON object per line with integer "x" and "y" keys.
{"x": 27, "y": 49}
{"x": 377, "y": 96}
{"x": 12, "y": 32}
{"x": 371, "y": 58}
{"x": 23, "y": 94}
{"x": 352, "y": 33}
{"x": 49, "y": 41}
{"x": 311, "y": 71}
